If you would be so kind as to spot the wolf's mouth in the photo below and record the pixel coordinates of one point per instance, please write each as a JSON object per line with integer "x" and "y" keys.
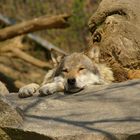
{"x": 72, "y": 90}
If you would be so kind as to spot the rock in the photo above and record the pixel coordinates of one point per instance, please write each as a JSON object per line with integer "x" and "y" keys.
{"x": 9, "y": 117}
{"x": 8, "y": 114}
{"x": 7, "y": 110}
{"x": 115, "y": 29}
{"x": 3, "y": 90}
{"x": 99, "y": 112}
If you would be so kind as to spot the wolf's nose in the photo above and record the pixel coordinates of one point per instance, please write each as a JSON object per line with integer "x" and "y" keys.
{"x": 71, "y": 81}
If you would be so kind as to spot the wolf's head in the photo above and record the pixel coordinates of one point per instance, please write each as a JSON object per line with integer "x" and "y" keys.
{"x": 79, "y": 70}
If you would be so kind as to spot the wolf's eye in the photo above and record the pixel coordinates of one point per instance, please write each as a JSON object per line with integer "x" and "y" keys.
{"x": 81, "y": 68}
{"x": 65, "y": 70}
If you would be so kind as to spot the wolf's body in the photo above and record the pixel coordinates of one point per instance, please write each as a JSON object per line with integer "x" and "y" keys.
{"x": 73, "y": 73}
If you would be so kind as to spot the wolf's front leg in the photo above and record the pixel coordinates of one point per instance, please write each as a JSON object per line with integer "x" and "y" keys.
{"x": 56, "y": 86}
{"x": 28, "y": 90}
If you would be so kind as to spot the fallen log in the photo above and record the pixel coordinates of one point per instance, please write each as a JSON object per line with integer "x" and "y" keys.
{"x": 44, "y": 22}
{"x": 46, "y": 44}
{"x": 26, "y": 57}
{"x": 42, "y": 42}
{"x": 9, "y": 71}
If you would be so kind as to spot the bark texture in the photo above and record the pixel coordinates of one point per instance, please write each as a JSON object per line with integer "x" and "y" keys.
{"x": 44, "y": 22}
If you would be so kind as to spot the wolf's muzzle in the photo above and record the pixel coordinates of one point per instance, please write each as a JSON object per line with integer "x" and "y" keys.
{"x": 71, "y": 86}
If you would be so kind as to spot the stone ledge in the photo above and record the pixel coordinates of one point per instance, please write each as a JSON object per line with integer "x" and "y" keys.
{"x": 99, "y": 112}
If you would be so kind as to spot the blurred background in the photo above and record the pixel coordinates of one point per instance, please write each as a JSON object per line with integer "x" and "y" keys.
{"x": 16, "y": 72}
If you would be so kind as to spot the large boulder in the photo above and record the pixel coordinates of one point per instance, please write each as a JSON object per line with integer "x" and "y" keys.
{"x": 9, "y": 116}
{"x": 115, "y": 28}
{"x": 99, "y": 112}
{"x": 3, "y": 90}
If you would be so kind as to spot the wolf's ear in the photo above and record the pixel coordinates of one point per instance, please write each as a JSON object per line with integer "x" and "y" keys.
{"x": 93, "y": 53}
{"x": 56, "y": 58}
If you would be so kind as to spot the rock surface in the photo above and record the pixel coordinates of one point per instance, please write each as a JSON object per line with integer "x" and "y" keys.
{"x": 8, "y": 113}
{"x": 3, "y": 90}
{"x": 100, "y": 113}
{"x": 9, "y": 116}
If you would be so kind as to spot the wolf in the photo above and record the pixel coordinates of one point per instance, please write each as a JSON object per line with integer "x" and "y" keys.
{"x": 71, "y": 74}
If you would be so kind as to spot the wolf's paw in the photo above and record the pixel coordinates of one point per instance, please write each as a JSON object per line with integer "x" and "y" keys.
{"x": 28, "y": 90}
{"x": 47, "y": 89}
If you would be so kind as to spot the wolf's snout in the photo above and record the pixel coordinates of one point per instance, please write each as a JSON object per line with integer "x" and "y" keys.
{"x": 71, "y": 86}
{"x": 71, "y": 81}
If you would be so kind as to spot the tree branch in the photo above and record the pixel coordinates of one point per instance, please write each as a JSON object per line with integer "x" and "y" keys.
{"x": 26, "y": 57}
{"x": 46, "y": 44}
{"x": 44, "y": 22}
